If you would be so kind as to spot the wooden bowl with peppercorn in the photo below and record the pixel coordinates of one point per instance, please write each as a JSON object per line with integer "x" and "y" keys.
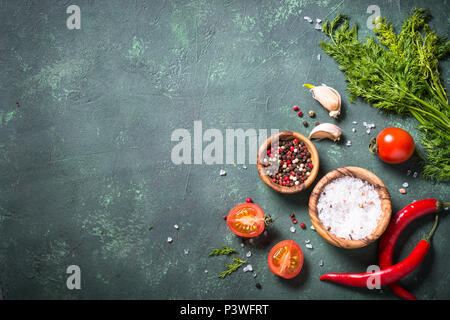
{"x": 288, "y": 162}
{"x": 350, "y": 207}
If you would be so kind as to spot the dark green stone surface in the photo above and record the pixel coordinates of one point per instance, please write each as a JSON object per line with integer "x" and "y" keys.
{"x": 85, "y": 165}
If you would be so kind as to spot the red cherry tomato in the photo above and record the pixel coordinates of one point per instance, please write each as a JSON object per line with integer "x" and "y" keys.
{"x": 246, "y": 220}
{"x": 395, "y": 145}
{"x": 286, "y": 259}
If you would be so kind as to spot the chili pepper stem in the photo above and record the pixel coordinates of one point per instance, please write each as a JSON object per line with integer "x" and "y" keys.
{"x": 441, "y": 205}
{"x": 430, "y": 235}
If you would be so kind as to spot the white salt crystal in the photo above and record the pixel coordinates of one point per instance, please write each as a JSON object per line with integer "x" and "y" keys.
{"x": 206, "y": 271}
{"x": 292, "y": 229}
{"x": 353, "y": 130}
{"x": 244, "y": 167}
{"x": 349, "y": 208}
{"x": 186, "y": 251}
{"x": 247, "y": 268}
{"x": 365, "y": 124}
{"x": 249, "y": 254}
{"x": 348, "y": 143}
{"x": 368, "y": 131}
{"x": 176, "y": 226}
{"x": 415, "y": 175}
{"x": 222, "y": 172}
{"x": 405, "y": 185}
{"x": 254, "y": 274}
{"x": 354, "y": 122}
{"x": 318, "y": 27}
{"x": 321, "y": 263}
{"x": 169, "y": 239}
{"x": 307, "y": 241}
{"x": 312, "y": 227}
{"x": 318, "y": 57}
{"x": 242, "y": 245}
{"x": 318, "y": 20}
{"x": 308, "y": 19}
{"x": 309, "y": 245}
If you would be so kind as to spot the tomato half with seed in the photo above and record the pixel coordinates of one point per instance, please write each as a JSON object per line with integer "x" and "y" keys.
{"x": 286, "y": 259}
{"x": 394, "y": 145}
{"x": 246, "y": 220}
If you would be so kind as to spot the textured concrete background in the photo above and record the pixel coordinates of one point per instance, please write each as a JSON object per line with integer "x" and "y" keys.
{"x": 85, "y": 165}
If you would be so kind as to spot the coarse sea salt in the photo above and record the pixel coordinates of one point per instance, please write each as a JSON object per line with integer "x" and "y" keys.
{"x": 349, "y": 208}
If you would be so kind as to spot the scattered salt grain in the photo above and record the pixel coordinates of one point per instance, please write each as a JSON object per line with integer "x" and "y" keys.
{"x": 349, "y": 208}
{"x": 176, "y": 226}
{"x": 312, "y": 227}
{"x": 353, "y": 130}
{"x": 254, "y": 274}
{"x": 292, "y": 229}
{"x": 169, "y": 239}
{"x": 348, "y": 143}
{"x": 354, "y": 122}
{"x": 318, "y": 27}
{"x": 318, "y": 57}
{"x": 223, "y": 173}
{"x": 318, "y": 20}
{"x": 405, "y": 185}
{"x": 249, "y": 254}
{"x": 321, "y": 263}
{"x": 415, "y": 174}
{"x": 247, "y": 268}
{"x": 309, "y": 245}
{"x": 242, "y": 245}
{"x": 186, "y": 251}
{"x": 368, "y": 131}
{"x": 206, "y": 271}
{"x": 446, "y": 208}
{"x": 244, "y": 167}
{"x": 308, "y": 19}
{"x": 307, "y": 241}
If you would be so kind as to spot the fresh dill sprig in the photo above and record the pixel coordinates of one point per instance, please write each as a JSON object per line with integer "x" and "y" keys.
{"x": 224, "y": 251}
{"x": 399, "y": 73}
{"x": 232, "y": 267}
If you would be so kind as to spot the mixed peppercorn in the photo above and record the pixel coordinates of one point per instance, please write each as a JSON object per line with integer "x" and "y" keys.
{"x": 292, "y": 163}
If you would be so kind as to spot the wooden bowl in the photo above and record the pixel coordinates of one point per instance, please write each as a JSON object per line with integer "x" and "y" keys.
{"x": 362, "y": 174}
{"x": 288, "y": 135}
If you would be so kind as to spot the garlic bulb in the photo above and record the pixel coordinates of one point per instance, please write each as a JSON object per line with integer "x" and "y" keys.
{"x": 326, "y": 130}
{"x": 328, "y": 97}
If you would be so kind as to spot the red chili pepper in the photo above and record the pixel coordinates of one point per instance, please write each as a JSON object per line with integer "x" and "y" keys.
{"x": 390, "y": 274}
{"x": 398, "y": 223}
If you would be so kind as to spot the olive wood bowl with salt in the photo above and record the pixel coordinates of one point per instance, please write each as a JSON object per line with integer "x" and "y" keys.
{"x": 364, "y": 175}
{"x": 287, "y": 136}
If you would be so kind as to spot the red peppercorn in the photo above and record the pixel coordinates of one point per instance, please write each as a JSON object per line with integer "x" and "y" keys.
{"x": 249, "y": 200}
{"x": 302, "y": 225}
{"x": 295, "y": 108}
{"x": 295, "y": 141}
{"x": 291, "y": 148}
{"x": 311, "y": 165}
{"x": 288, "y": 161}
{"x": 294, "y": 221}
{"x": 300, "y": 114}
{"x": 274, "y": 180}
{"x": 293, "y": 173}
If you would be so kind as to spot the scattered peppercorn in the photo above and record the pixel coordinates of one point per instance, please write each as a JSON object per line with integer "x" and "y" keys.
{"x": 249, "y": 200}
{"x": 300, "y": 114}
{"x": 316, "y": 123}
{"x": 295, "y": 108}
{"x": 311, "y": 113}
{"x": 302, "y": 225}
{"x": 305, "y": 124}
{"x": 224, "y": 217}
{"x": 258, "y": 285}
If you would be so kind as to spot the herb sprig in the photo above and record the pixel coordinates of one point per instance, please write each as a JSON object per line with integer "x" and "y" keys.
{"x": 238, "y": 262}
{"x": 399, "y": 74}
{"x": 224, "y": 251}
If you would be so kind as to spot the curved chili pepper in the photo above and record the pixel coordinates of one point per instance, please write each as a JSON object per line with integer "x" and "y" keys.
{"x": 390, "y": 274}
{"x": 398, "y": 223}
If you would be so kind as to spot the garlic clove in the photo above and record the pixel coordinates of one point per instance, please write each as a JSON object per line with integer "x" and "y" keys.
{"x": 326, "y": 130}
{"x": 328, "y": 97}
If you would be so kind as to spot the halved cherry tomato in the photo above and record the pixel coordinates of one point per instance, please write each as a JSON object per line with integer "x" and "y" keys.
{"x": 246, "y": 220}
{"x": 395, "y": 145}
{"x": 286, "y": 259}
